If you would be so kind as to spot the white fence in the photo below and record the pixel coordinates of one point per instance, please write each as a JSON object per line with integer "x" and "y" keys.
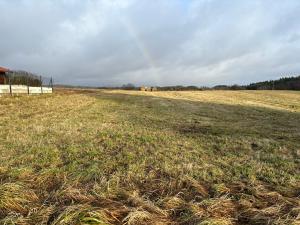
{"x": 23, "y": 89}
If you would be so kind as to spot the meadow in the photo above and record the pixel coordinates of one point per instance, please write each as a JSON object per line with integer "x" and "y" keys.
{"x": 129, "y": 157}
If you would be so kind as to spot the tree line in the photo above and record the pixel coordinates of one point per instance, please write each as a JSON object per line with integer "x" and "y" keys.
{"x": 286, "y": 83}
{"x": 24, "y": 78}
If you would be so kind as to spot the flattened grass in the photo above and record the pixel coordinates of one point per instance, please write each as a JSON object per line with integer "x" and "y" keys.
{"x": 127, "y": 157}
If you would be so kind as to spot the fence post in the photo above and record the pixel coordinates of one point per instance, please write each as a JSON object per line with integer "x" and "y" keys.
{"x": 41, "y": 84}
{"x": 9, "y": 81}
{"x": 28, "y": 84}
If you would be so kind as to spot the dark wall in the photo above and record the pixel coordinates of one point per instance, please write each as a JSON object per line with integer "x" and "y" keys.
{"x": 2, "y": 78}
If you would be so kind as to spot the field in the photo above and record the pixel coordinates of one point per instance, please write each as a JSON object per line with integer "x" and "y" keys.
{"x": 128, "y": 157}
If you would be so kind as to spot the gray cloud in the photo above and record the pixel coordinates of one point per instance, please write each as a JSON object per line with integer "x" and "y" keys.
{"x": 190, "y": 42}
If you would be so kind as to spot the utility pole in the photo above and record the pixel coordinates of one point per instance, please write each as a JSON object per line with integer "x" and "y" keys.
{"x": 41, "y": 82}
{"x": 28, "y": 84}
{"x": 9, "y": 82}
{"x": 51, "y": 82}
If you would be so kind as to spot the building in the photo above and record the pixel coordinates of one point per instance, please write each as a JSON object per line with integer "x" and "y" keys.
{"x": 143, "y": 88}
{"x": 3, "y": 76}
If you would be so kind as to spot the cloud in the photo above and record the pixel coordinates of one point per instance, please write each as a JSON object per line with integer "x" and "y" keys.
{"x": 189, "y": 42}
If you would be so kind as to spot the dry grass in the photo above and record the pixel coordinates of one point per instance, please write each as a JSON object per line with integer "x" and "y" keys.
{"x": 128, "y": 157}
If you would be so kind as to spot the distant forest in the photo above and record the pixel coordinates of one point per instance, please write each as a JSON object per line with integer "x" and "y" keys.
{"x": 287, "y": 83}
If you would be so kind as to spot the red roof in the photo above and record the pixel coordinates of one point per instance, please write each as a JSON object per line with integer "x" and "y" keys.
{"x": 3, "y": 70}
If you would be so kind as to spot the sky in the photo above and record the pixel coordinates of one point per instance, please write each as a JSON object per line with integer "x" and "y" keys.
{"x": 151, "y": 42}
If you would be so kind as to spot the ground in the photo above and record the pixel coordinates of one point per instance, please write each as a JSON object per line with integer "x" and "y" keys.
{"x": 130, "y": 157}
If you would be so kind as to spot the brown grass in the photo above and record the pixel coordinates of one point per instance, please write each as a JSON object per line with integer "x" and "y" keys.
{"x": 128, "y": 157}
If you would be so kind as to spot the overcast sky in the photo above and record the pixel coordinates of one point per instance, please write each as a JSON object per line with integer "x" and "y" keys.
{"x": 166, "y": 42}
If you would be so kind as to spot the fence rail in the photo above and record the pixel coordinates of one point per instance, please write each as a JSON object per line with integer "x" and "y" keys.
{"x": 22, "y": 82}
